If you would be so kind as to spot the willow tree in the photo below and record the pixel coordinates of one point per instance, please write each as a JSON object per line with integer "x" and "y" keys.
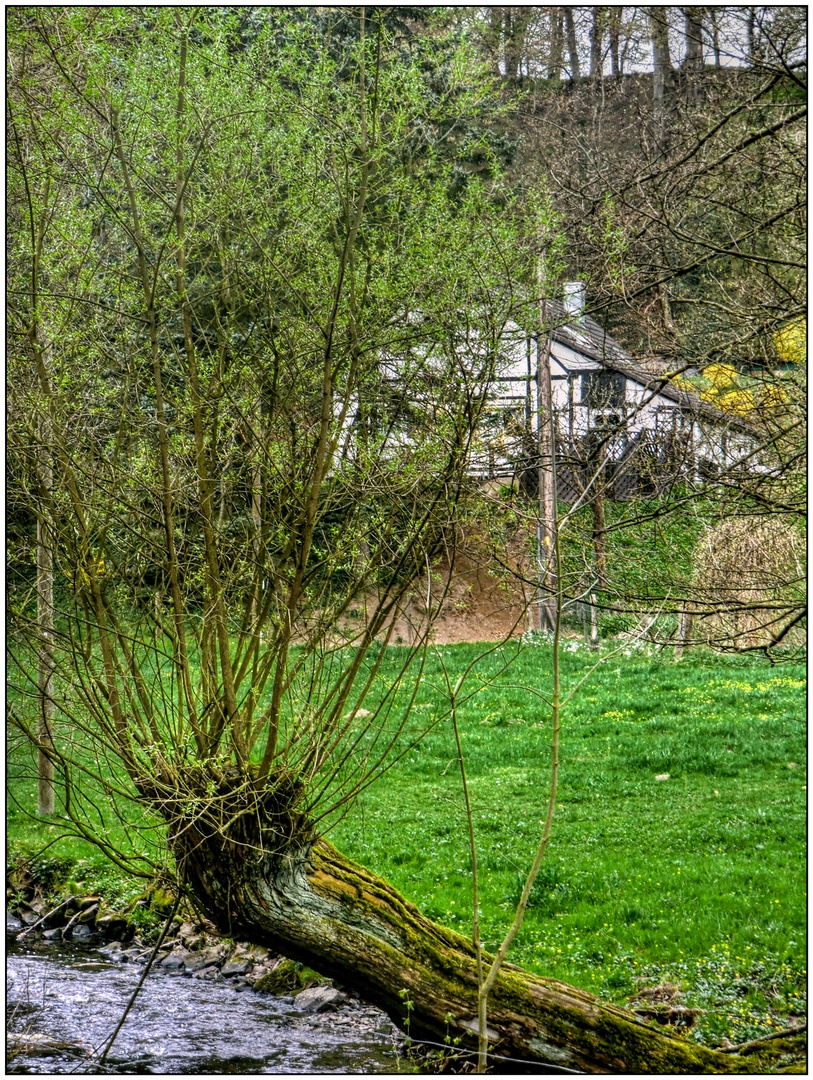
{"x": 258, "y": 284}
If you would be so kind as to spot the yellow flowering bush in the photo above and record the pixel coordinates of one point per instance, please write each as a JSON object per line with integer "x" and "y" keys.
{"x": 791, "y": 342}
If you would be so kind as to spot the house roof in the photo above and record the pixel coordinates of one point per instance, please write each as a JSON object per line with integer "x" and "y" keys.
{"x": 587, "y": 337}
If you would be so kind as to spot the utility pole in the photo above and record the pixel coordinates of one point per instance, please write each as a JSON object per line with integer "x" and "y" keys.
{"x": 598, "y": 467}
{"x": 528, "y": 442}
{"x": 546, "y": 466}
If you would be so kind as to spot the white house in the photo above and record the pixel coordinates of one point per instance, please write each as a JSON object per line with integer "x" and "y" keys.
{"x": 637, "y": 429}
{"x": 647, "y": 431}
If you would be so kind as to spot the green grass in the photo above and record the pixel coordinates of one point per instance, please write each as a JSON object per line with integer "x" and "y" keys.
{"x": 49, "y": 850}
{"x": 697, "y": 879}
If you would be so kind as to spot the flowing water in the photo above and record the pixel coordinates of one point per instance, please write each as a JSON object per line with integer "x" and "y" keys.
{"x": 178, "y": 1024}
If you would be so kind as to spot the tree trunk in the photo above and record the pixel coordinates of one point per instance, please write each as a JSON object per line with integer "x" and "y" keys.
{"x": 693, "y": 24}
{"x": 313, "y": 905}
{"x": 572, "y": 47}
{"x": 516, "y": 26}
{"x": 715, "y": 34}
{"x": 556, "y": 43}
{"x": 45, "y": 659}
{"x": 594, "y": 638}
{"x": 493, "y": 38}
{"x": 597, "y": 458}
{"x": 614, "y": 27}
{"x": 661, "y": 69}
{"x": 599, "y": 467}
{"x": 596, "y": 40}
{"x": 754, "y": 35}
{"x": 693, "y": 63}
{"x": 545, "y": 449}
{"x": 684, "y": 633}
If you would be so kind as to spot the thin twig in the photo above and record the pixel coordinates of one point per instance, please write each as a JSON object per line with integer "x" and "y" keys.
{"x": 763, "y": 1039}
{"x": 134, "y": 994}
{"x": 77, "y": 916}
{"x": 44, "y": 918}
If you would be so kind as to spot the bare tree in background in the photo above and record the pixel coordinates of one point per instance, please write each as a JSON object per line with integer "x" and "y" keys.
{"x": 683, "y": 201}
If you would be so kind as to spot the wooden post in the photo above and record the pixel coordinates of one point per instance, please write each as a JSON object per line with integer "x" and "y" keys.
{"x": 594, "y": 642}
{"x": 684, "y": 632}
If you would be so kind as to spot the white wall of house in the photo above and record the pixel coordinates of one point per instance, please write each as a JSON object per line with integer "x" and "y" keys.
{"x": 636, "y": 408}
{"x": 642, "y": 408}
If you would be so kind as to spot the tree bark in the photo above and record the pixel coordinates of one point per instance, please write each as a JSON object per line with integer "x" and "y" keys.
{"x": 516, "y": 26}
{"x": 754, "y": 34}
{"x": 693, "y": 63}
{"x": 598, "y": 464}
{"x": 684, "y": 633}
{"x": 45, "y": 626}
{"x": 312, "y": 904}
{"x": 614, "y": 28}
{"x": 493, "y": 38}
{"x": 545, "y": 449}
{"x": 662, "y": 69}
{"x": 594, "y": 638}
{"x": 693, "y": 23}
{"x": 556, "y": 43}
{"x": 572, "y": 46}
{"x": 597, "y": 25}
{"x": 715, "y": 34}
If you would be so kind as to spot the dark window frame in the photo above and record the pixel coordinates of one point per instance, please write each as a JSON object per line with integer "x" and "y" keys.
{"x": 603, "y": 389}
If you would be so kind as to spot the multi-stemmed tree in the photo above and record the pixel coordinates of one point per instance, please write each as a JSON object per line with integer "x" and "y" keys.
{"x": 258, "y": 279}
{"x": 253, "y": 324}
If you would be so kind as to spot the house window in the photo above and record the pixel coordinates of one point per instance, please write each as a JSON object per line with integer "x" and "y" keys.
{"x": 608, "y": 420}
{"x": 668, "y": 420}
{"x": 603, "y": 389}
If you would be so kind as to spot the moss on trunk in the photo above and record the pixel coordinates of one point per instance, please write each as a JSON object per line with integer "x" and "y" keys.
{"x": 314, "y": 905}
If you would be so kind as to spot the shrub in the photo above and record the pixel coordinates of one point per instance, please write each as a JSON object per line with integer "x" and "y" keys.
{"x": 749, "y": 575}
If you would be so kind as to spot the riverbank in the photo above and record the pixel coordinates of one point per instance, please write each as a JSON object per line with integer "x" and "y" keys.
{"x": 118, "y": 944}
{"x": 64, "y": 1000}
{"x": 80, "y": 934}
{"x": 52, "y": 924}
{"x": 189, "y": 948}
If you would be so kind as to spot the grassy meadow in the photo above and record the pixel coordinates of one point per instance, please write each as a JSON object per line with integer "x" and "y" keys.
{"x": 678, "y": 847}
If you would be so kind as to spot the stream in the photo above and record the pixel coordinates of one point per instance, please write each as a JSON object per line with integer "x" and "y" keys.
{"x": 178, "y": 1024}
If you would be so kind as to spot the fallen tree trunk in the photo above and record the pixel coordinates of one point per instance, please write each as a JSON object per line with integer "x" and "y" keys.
{"x": 314, "y": 905}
